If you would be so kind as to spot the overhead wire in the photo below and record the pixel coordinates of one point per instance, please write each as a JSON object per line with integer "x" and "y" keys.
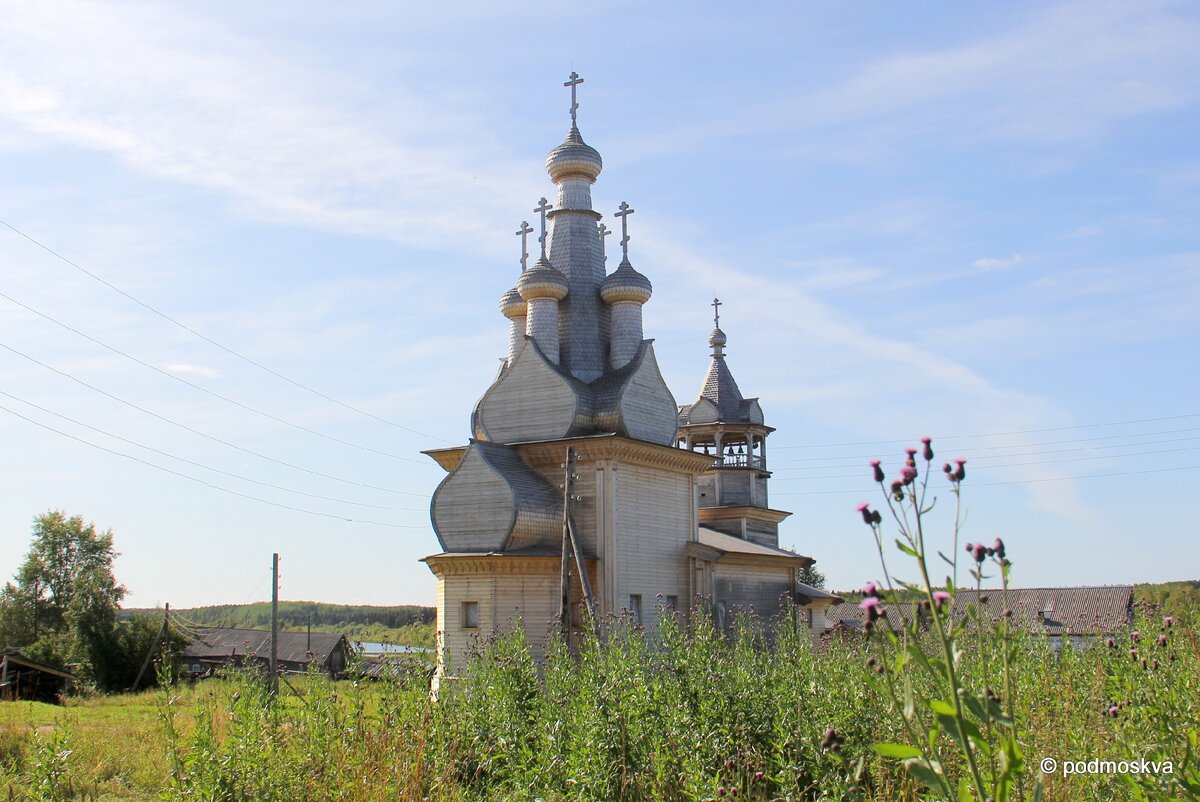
{"x": 230, "y": 474}
{"x": 201, "y": 387}
{"x": 199, "y": 433}
{"x": 215, "y": 343}
{"x": 206, "y": 483}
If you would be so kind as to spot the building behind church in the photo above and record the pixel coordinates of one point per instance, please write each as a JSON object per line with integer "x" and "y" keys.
{"x": 668, "y": 504}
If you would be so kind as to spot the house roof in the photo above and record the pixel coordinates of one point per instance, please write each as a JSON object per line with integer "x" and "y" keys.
{"x": 1053, "y": 611}
{"x": 17, "y": 657}
{"x": 736, "y": 545}
{"x": 293, "y": 647}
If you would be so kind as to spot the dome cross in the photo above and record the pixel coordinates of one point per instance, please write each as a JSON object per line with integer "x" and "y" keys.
{"x": 716, "y": 312}
{"x": 624, "y": 215}
{"x": 523, "y": 233}
{"x": 604, "y": 232}
{"x": 543, "y": 207}
{"x": 574, "y": 82}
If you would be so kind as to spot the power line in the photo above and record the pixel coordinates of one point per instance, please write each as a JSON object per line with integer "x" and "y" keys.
{"x": 988, "y": 466}
{"x": 205, "y": 483}
{"x": 999, "y": 434}
{"x": 201, "y": 387}
{"x": 1007, "y": 482}
{"x": 199, "y": 433}
{"x": 847, "y": 459}
{"x": 213, "y": 342}
{"x": 202, "y": 465}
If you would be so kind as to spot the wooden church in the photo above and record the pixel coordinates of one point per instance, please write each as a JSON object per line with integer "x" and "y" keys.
{"x": 584, "y": 487}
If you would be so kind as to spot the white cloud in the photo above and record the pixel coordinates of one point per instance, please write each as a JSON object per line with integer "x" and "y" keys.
{"x": 185, "y": 369}
{"x": 999, "y": 264}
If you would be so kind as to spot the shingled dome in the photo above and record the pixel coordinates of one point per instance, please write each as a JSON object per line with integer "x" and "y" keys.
{"x": 543, "y": 280}
{"x": 717, "y": 339}
{"x": 574, "y": 158}
{"x": 512, "y": 304}
{"x": 626, "y": 284}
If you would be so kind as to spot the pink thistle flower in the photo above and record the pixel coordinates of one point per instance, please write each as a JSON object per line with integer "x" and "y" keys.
{"x": 1109, "y": 643}
{"x": 1168, "y": 621}
{"x": 1112, "y": 711}
{"x": 998, "y": 548}
{"x": 1162, "y": 640}
{"x": 870, "y": 589}
{"x": 865, "y": 510}
{"x": 898, "y": 490}
{"x": 1135, "y": 634}
{"x": 980, "y": 552}
{"x": 907, "y": 474}
{"x": 941, "y": 597}
{"x": 928, "y": 452}
{"x": 869, "y": 604}
{"x": 878, "y": 470}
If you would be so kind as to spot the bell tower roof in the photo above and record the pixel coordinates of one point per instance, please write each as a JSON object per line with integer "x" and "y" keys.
{"x": 720, "y": 399}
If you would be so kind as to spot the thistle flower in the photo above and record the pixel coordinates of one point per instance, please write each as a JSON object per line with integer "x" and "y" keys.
{"x": 980, "y": 552}
{"x": 998, "y": 548}
{"x": 876, "y": 517}
{"x": 941, "y": 597}
{"x": 961, "y": 472}
{"x": 1110, "y": 643}
{"x": 907, "y": 474}
{"x": 865, "y": 510}
{"x": 1162, "y": 640}
{"x": 928, "y": 443}
{"x": 832, "y": 740}
{"x": 877, "y": 469}
{"x": 912, "y": 453}
{"x": 898, "y": 490}
{"x": 1155, "y": 664}
{"x": 871, "y": 589}
{"x": 1168, "y": 621}
{"x": 1135, "y": 634}
{"x": 1113, "y": 711}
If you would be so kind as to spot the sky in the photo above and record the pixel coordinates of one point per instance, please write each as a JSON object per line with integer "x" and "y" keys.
{"x": 251, "y": 256}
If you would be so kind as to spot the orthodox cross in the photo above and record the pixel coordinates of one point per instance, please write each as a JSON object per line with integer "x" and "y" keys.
{"x": 716, "y": 313}
{"x": 574, "y": 82}
{"x": 543, "y": 207}
{"x": 624, "y": 215}
{"x": 604, "y": 232}
{"x": 523, "y": 233}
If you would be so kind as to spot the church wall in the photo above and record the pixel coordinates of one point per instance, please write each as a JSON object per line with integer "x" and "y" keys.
{"x": 532, "y": 599}
{"x": 654, "y": 521}
{"x": 706, "y": 490}
{"x": 760, "y": 491}
{"x": 757, "y": 586}
{"x": 765, "y": 533}
{"x": 453, "y": 639}
{"x": 735, "y": 488}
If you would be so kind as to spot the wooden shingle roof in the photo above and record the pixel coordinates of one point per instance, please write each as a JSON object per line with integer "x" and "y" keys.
{"x": 220, "y": 643}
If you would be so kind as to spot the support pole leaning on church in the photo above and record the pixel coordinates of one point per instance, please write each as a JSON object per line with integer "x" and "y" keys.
{"x": 564, "y": 606}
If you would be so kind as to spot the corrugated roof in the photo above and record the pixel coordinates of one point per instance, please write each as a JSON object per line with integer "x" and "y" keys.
{"x": 1054, "y": 611}
{"x": 293, "y": 647}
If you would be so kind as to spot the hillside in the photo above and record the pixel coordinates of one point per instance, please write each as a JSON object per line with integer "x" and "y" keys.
{"x": 409, "y": 625}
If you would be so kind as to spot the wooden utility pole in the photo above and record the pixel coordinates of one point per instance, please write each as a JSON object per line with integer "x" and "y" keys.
{"x": 275, "y": 623}
{"x": 572, "y": 552}
{"x": 159, "y": 641}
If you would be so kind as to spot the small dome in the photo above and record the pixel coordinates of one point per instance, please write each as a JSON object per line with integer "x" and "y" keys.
{"x": 512, "y": 304}
{"x": 573, "y": 159}
{"x": 626, "y": 284}
{"x": 717, "y": 339}
{"x": 543, "y": 280}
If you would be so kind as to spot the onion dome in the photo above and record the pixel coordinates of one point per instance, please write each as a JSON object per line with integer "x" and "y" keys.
{"x": 717, "y": 339}
{"x": 512, "y": 304}
{"x": 543, "y": 280}
{"x": 574, "y": 158}
{"x": 626, "y": 284}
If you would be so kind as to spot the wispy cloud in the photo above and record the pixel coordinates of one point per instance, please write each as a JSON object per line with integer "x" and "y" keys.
{"x": 999, "y": 264}
{"x": 184, "y": 369}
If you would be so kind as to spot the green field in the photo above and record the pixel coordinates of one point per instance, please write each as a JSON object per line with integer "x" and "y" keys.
{"x": 693, "y": 716}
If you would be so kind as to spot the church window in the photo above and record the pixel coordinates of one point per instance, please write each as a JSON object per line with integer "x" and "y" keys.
{"x": 635, "y": 608}
{"x": 470, "y": 615}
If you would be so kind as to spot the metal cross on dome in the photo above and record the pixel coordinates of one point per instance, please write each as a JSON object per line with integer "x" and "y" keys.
{"x": 523, "y": 233}
{"x": 716, "y": 312}
{"x": 624, "y": 215}
{"x": 543, "y": 207}
{"x": 604, "y": 232}
{"x": 574, "y": 82}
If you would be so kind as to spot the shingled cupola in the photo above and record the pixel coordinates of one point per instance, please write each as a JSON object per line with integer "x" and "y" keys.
{"x": 625, "y": 291}
{"x": 543, "y": 287}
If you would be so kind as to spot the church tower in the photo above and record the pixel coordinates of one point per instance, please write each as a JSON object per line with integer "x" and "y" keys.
{"x": 732, "y": 494}
{"x": 572, "y": 497}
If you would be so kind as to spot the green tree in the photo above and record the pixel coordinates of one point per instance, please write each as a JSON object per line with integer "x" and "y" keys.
{"x": 811, "y": 577}
{"x": 62, "y": 604}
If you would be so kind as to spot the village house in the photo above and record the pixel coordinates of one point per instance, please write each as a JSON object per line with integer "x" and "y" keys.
{"x": 23, "y": 678}
{"x": 298, "y": 652}
{"x": 584, "y": 487}
{"x": 1077, "y": 616}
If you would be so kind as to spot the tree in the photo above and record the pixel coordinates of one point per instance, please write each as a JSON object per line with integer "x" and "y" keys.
{"x": 62, "y": 604}
{"x": 811, "y": 577}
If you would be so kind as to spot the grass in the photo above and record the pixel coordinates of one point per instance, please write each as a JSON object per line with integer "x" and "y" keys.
{"x": 692, "y": 716}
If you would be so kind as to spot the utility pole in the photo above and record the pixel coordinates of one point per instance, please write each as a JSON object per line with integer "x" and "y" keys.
{"x": 160, "y": 641}
{"x": 275, "y": 624}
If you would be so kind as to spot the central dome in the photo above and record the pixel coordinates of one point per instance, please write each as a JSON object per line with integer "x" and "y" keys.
{"x": 574, "y": 158}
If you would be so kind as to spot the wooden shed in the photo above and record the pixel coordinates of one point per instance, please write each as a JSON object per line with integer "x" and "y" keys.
{"x": 297, "y": 651}
{"x": 22, "y": 677}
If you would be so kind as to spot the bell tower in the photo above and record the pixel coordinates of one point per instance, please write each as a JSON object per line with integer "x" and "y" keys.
{"x": 732, "y": 494}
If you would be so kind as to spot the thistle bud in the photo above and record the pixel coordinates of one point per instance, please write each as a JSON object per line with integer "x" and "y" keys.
{"x": 877, "y": 469}
{"x": 865, "y": 511}
{"x": 928, "y": 453}
{"x": 998, "y": 548}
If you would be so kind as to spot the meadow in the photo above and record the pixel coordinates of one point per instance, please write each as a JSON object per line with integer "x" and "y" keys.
{"x": 694, "y": 715}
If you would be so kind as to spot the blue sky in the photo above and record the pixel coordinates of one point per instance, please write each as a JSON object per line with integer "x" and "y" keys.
{"x": 974, "y": 221}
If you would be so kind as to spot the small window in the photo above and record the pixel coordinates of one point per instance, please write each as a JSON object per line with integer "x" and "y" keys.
{"x": 635, "y": 608}
{"x": 673, "y": 603}
{"x": 470, "y": 615}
